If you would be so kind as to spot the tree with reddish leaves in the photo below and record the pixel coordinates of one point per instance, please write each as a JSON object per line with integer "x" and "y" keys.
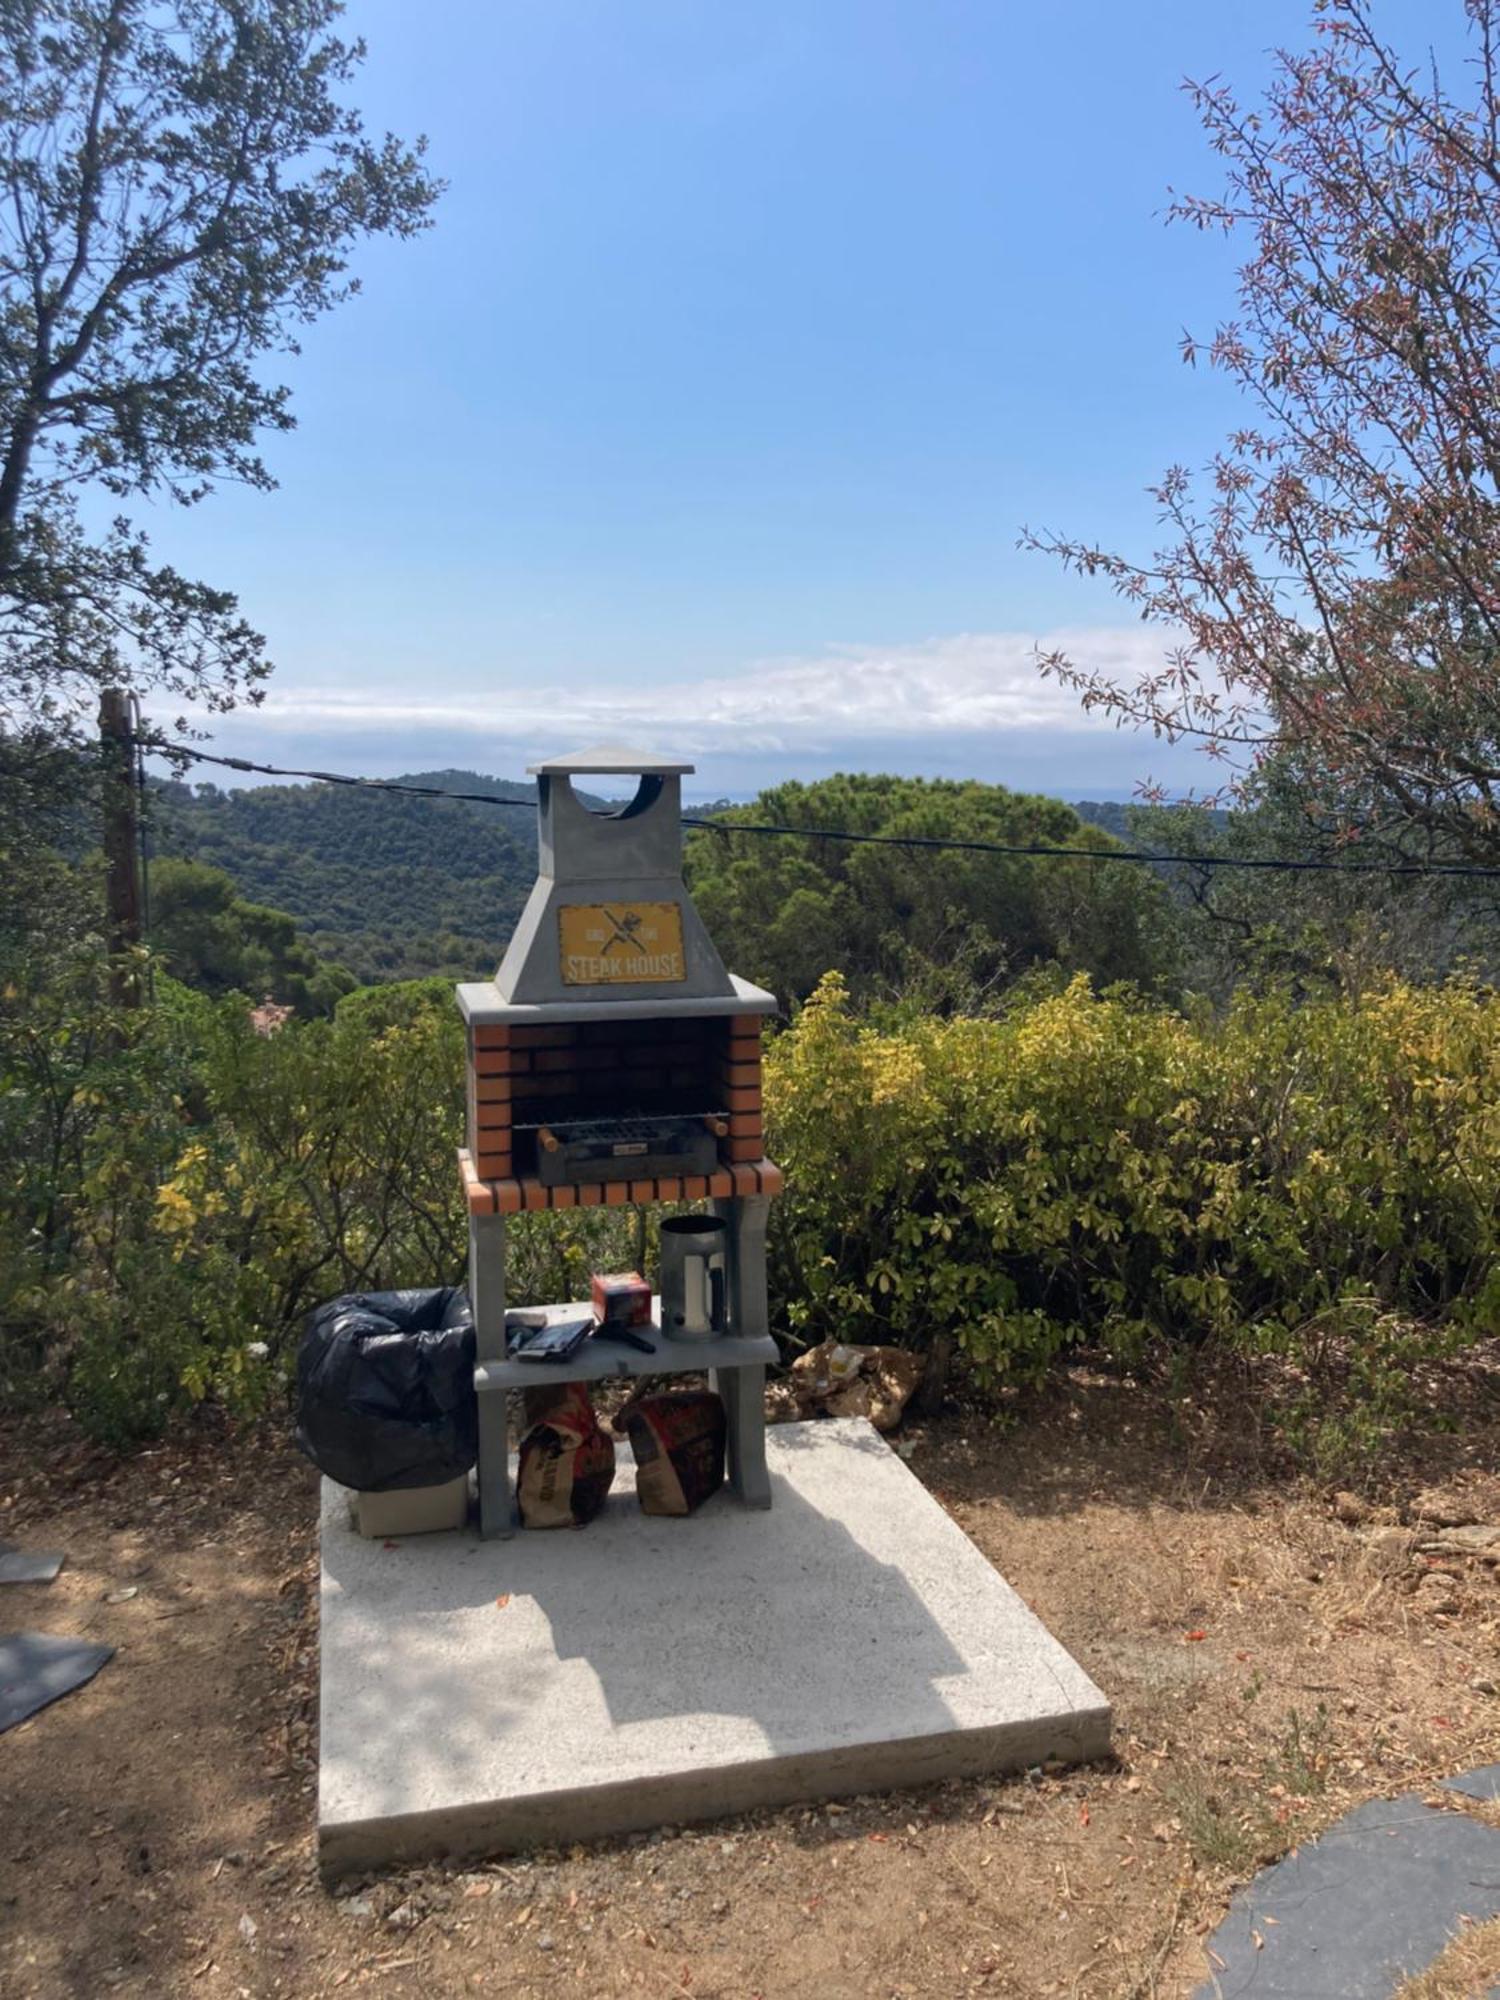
{"x": 1332, "y": 583}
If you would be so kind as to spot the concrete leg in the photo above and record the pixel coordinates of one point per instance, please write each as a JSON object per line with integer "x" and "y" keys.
{"x": 747, "y": 1216}
{"x": 487, "y": 1295}
{"x": 497, "y": 1514}
{"x": 744, "y": 1389}
{"x": 487, "y": 1284}
{"x": 744, "y": 1394}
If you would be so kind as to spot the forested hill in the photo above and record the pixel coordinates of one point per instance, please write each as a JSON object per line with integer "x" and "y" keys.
{"x": 388, "y": 885}
{"x": 1111, "y": 814}
{"x": 1114, "y": 815}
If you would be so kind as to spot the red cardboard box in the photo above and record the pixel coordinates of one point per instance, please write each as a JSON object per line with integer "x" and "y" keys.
{"x": 620, "y": 1298}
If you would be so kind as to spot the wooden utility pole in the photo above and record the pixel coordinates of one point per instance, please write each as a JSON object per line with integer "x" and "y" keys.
{"x": 121, "y": 845}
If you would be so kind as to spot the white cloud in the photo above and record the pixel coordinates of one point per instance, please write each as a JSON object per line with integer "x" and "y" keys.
{"x": 966, "y": 686}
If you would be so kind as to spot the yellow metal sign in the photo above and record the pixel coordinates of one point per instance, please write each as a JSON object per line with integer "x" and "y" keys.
{"x": 628, "y": 944}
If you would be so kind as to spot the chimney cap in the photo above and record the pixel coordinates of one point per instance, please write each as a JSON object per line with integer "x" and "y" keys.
{"x": 609, "y": 760}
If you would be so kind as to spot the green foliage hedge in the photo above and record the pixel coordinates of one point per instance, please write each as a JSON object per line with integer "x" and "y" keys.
{"x": 176, "y": 1191}
{"x": 1095, "y": 1164}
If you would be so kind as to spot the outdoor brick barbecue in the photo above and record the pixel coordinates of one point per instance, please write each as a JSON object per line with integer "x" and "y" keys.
{"x": 530, "y": 1085}
{"x": 655, "y": 1668}
{"x": 612, "y": 1059}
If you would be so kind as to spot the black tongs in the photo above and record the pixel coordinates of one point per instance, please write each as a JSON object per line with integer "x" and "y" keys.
{"x": 626, "y": 1336}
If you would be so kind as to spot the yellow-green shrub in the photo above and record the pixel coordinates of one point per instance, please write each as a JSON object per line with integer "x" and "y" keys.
{"x": 176, "y": 1191}
{"x": 1093, "y": 1165}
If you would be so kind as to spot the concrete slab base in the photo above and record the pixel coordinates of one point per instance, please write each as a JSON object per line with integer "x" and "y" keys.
{"x": 482, "y": 1697}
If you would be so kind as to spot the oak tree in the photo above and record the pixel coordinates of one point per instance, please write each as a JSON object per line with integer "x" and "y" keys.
{"x": 181, "y": 185}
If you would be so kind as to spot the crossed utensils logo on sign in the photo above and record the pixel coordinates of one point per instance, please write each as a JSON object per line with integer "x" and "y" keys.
{"x": 624, "y": 929}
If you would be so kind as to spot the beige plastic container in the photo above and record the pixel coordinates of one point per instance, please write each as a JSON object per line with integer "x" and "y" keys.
{"x": 416, "y": 1510}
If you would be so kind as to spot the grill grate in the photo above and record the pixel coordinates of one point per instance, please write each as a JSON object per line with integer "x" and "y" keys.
{"x": 624, "y": 1127}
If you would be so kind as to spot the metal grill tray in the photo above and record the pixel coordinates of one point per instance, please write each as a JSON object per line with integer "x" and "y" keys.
{"x": 643, "y": 1124}
{"x": 602, "y": 1149}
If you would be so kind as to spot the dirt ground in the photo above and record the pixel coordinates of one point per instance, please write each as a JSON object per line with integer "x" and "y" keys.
{"x": 1274, "y": 1652}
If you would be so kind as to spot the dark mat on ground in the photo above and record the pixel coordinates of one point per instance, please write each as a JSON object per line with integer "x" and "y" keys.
{"x": 1481, "y": 1784}
{"x": 36, "y": 1668}
{"x": 27, "y": 1566}
{"x": 1350, "y": 1916}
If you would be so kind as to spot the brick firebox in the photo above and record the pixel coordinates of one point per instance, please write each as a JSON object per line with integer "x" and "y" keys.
{"x": 522, "y": 1079}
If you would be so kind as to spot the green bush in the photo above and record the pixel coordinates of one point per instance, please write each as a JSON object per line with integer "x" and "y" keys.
{"x": 176, "y": 1190}
{"x": 208, "y": 936}
{"x": 1095, "y": 1165}
{"x": 179, "y": 1190}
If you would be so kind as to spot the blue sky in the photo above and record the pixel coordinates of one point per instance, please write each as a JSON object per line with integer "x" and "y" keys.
{"x": 749, "y": 335}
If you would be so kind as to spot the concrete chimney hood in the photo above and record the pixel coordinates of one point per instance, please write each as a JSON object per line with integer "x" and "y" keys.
{"x": 609, "y": 927}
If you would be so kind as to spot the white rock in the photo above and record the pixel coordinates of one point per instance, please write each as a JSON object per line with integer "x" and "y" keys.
{"x": 1471, "y": 1540}
{"x": 1389, "y": 1548}
{"x": 1437, "y": 1595}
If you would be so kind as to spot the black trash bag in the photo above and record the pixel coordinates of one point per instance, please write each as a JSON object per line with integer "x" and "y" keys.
{"x": 385, "y": 1389}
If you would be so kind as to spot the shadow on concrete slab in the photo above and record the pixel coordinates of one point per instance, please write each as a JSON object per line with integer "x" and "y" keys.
{"x": 672, "y": 1619}
{"x": 851, "y": 1637}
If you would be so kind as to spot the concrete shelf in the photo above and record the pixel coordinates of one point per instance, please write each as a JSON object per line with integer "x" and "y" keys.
{"x": 482, "y": 1005}
{"x": 736, "y": 1368}
{"x": 606, "y": 1360}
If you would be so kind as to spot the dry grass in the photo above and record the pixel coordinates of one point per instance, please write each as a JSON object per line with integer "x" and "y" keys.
{"x": 1468, "y": 1970}
{"x": 1271, "y": 1664}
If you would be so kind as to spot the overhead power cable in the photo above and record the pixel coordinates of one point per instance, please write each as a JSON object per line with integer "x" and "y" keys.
{"x": 1098, "y": 853}
{"x": 941, "y": 842}
{"x": 339, "y": 778}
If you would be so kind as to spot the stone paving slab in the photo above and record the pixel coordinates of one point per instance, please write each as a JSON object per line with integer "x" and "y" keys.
{"x": 485, "y": 1696}
{"x": 1483, "y": 1783}
{"x": 27, "y": 1565}
{"x": 38, "y": 1668}
{"x": 1353, "y": 1915}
